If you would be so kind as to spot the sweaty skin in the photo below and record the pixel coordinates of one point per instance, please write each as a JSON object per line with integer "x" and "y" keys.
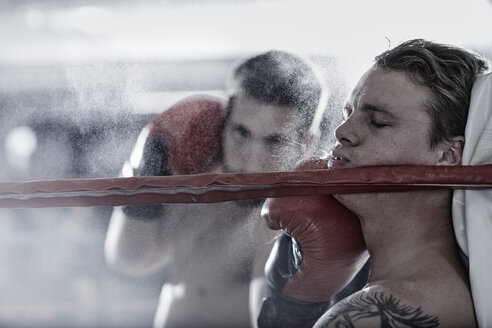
{"x": 417, "y": 278}
{"x": 215, "y": 250}
{"x": 212, "y": 264}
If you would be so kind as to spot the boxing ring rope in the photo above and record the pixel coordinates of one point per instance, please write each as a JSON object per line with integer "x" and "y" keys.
{"x": 212, "y": 188}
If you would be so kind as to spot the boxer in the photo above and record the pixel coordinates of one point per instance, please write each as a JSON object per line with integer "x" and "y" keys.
{"x": 409, "y": 108}
{"x": 218, "y": 251}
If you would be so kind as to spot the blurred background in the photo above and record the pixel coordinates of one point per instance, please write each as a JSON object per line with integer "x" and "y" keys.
{"x": 80, "y": 78}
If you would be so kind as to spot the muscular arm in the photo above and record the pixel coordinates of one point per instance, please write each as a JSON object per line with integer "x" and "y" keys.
{"x": 174, "y": 142}
{"x": 376, "y": 309}
{"x": 264, "y": 240}
{"x": 134, "y": 246}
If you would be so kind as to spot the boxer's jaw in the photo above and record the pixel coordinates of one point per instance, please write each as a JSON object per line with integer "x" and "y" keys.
{"x": 244, "y": 203}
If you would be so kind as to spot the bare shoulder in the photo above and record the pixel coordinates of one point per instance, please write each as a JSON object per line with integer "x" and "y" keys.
{"x": 377, "y": 307}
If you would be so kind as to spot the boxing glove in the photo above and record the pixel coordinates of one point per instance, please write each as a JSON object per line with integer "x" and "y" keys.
{"x": 185, "y": 139}
{"x": 319, "y": 252}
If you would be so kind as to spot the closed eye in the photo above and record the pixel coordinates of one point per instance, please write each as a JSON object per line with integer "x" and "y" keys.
{"x": 378, "y": 124}
{"x": 241, "y": 132}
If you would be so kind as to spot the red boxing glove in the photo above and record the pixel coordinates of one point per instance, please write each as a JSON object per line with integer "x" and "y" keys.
{"x": 184, "y": 139}
{"x": 319, "y": 253}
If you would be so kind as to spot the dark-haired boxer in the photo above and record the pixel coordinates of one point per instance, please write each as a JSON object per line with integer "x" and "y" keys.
{"x": 216, "y": 250}
{"x": 409, "y": 108}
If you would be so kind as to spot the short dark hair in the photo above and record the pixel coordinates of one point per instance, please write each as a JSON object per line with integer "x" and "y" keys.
{"x": 448, "y": 71}
{"x": 279, "y": 78}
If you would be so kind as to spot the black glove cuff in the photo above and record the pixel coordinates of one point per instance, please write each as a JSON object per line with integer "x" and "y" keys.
{"x": 144, "y": 212}
{"x": 282, "y": 311}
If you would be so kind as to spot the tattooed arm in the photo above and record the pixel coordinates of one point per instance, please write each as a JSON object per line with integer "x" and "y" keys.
{"x": 365, "y": 309}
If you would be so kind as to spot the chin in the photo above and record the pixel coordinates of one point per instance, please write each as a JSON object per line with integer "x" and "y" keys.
{"x": 228, "y": 169}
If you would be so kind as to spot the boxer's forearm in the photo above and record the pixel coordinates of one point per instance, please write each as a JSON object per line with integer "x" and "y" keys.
{"x": 135, "y": 247}
{"x": 257, "y": 292}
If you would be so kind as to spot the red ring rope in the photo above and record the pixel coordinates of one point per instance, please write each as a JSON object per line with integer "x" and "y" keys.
{"x": 212, "y": 188}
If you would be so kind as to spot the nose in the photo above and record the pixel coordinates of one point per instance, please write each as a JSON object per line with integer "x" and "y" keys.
{"x": 347, "y": 133}
{"x": 256, "y": 159}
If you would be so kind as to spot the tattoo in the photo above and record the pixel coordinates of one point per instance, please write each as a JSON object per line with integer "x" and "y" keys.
{"x": 390, "y": 312}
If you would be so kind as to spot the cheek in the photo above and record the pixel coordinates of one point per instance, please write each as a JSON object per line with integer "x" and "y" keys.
{"x": 231, "y": 150}
{"x": 404, "y": 151}
{"x": 355, "y": 202}
{"x": 288, "y": 156}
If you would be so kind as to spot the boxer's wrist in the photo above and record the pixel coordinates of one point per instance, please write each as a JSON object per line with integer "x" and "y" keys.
{"x": 144, "y": 212}
{"x": 281, "y": 311}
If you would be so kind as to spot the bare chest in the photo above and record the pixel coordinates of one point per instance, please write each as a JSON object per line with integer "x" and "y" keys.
{"x": 213, "y": 242}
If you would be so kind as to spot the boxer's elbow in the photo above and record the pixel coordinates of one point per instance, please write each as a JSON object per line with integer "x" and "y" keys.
{"x": 132, "y": 262}
{"x": 118, "y": 261}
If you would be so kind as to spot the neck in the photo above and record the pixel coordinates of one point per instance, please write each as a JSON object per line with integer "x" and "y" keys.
{"x": 408, "y": 233}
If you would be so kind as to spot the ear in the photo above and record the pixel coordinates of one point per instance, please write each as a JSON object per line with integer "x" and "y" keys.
{"x": 452, "y": 150}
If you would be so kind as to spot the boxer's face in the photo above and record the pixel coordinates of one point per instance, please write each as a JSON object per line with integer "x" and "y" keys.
{"x": 259, "y": 137}
{"x": 385, "y": 123}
